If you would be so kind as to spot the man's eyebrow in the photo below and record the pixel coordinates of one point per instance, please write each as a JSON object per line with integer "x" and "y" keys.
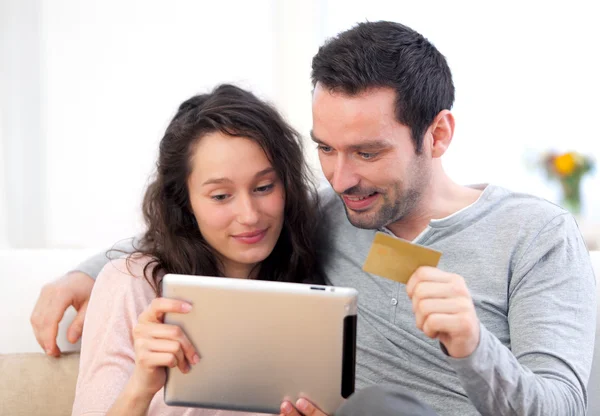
{"x": 212, "y": 181}
{"x": 366, "y": 144}
{"x": 314, "y": 138}
{"x": 370, "y": 144}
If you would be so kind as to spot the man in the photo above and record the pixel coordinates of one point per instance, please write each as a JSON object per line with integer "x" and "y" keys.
{"x": 505, "y": 324}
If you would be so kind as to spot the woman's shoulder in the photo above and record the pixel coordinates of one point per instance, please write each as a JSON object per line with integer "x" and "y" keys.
{"x": 131, "y": 272}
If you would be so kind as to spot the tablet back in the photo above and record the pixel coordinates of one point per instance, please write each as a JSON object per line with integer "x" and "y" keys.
{"x": 262, "y": 342}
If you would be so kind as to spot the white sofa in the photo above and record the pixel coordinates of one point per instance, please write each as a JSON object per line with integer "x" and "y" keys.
{"x": 23, "y": 273}
{"x": 32, "y": 383}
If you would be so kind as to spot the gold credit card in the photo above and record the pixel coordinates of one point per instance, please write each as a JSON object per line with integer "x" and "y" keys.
{"x": 397, "y": 259}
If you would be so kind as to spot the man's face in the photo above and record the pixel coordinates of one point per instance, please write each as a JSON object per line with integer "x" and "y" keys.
{"x": 367, "y": 156}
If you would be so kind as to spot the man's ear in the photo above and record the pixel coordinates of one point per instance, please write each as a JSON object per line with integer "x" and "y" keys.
{"x": 441, "y": 131}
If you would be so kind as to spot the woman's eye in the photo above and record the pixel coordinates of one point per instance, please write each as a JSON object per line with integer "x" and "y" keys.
{"x": 265, "y": 188}
{"x": 220, "y": 197}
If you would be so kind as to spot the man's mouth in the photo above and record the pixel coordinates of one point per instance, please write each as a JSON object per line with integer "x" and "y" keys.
{"x": 359, "y": 198}
{"x": 360, "y": 202}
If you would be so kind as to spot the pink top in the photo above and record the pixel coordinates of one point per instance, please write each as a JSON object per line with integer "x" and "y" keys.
{"x": 107, "y": 360}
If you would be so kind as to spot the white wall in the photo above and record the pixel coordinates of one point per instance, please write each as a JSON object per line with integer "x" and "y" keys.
{"x": 299, "y": 26}
{"x": 114, "y": 73}
{"x": 3, "y": 229}
{"x": 87, "y": 88}
{"x": 21, "y": 132}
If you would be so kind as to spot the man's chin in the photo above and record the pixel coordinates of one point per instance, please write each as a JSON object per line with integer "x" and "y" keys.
{"x": 364, "y": 220}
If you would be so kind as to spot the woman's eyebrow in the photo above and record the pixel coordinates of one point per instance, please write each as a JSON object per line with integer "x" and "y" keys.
{"x": 213, "y": 181}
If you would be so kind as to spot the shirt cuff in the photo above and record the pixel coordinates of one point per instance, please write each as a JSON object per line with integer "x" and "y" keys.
{"x": 478, "y": 358}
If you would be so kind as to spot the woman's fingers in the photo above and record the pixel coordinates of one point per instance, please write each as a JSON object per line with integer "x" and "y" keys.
{"x": 171, "y": 347}
{"x": 155, "y": 312}
{"x": 151, "y": 360}
{"x": 169, "y": 332}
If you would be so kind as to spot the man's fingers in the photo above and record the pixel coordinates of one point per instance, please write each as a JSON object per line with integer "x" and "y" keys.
{"x": 44, "y": 337}
{"x": 76, "y": 327}
{"x": 450, "y": 306}
{"x": 426, "y": 307}
{"x": 72, "y": 289}
{"x": 48, "y": 340}
{"x": 427, "y": 274}
{"x": 455, "y": 287}
{"x": 437, "y": 323}
{"x": 426, "y": 290}
{"x": 47, "y": 313}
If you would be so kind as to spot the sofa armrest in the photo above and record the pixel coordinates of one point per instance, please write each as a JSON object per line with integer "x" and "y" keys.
{"x": 35, "y": 384}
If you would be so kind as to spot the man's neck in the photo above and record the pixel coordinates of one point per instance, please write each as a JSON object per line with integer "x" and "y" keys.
{"x": 442, "y": 198}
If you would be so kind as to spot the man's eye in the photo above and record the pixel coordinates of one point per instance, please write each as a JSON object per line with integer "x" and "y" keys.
{"x": 367, "y": 156}
{"x": 324, "y": 149}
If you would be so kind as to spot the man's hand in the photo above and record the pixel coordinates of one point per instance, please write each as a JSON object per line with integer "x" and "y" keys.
{"x": 72, "y": 289}
{"x": 302, "y": 405}
{"x": 444, "y": 309}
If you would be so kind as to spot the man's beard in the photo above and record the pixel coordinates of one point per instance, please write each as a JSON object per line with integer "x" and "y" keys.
{"x": 391, "y": 211}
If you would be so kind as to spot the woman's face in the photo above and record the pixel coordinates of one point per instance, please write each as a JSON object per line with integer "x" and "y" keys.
{"x": 238, "y": 200}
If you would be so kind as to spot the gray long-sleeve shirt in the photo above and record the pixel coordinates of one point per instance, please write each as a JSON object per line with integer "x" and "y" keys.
{"x": 532, "y": 283}
{"x": 531, "y": 279}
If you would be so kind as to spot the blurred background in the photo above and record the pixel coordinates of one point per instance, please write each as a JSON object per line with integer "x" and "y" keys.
{"x": 88, "y": 87}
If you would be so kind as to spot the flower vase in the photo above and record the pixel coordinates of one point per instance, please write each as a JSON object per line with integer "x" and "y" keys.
{"x": 571, "y": 194}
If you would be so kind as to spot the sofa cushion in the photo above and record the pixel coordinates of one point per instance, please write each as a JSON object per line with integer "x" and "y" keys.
{"x": 35, "y": 384}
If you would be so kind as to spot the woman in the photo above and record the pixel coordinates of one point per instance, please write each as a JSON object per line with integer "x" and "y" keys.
{"x": 231, "y": 198}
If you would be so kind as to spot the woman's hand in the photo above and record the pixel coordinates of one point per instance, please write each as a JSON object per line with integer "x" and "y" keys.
{"x": 158, "y": 345}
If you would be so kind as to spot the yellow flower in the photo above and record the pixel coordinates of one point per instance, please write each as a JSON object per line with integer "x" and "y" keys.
{"x": 565, "y": 164}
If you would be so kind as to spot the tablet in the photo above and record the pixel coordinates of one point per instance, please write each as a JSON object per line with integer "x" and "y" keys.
{"x": 261, "y": 343}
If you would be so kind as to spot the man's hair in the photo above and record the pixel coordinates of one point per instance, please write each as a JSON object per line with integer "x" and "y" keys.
{"x": 173, "y": 238}
{"x": 388, "y": 54}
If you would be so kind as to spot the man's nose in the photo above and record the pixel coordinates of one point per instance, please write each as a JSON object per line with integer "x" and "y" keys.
{"x": 343, "y": 175}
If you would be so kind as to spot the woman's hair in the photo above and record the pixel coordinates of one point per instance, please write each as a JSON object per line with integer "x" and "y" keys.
{"x": 173, "y": 238}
